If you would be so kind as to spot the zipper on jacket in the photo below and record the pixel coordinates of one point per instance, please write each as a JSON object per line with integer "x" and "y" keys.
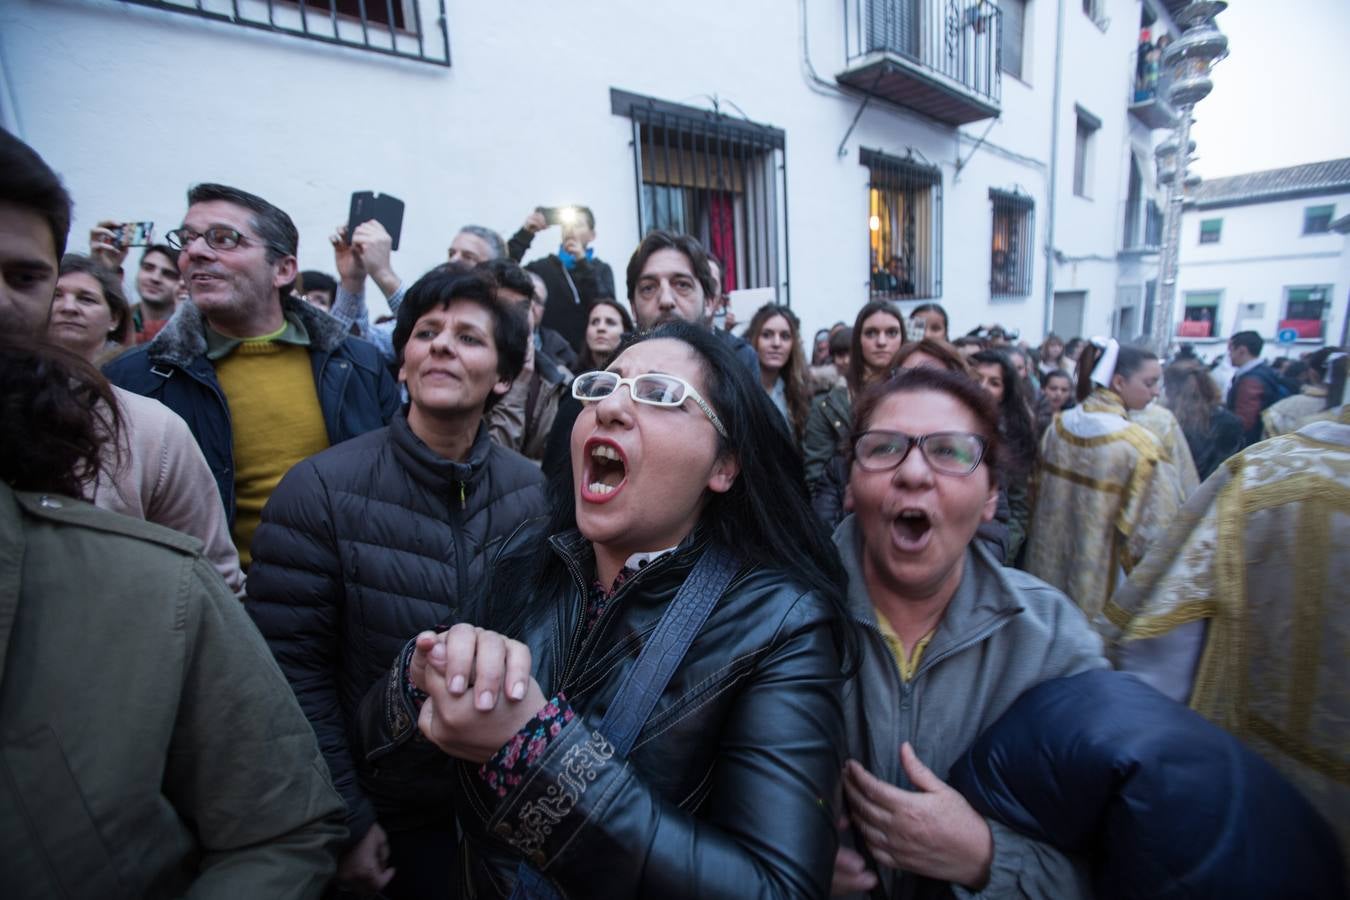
{"x": 462, "y": 501}
{"x": 457, "y": 529}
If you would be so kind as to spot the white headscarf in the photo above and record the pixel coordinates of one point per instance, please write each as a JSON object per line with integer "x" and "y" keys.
{"x": 1106, "y": 365}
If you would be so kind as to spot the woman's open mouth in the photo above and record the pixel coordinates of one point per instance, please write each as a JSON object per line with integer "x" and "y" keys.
{"x": 605, "y": 472}
{"x": 912, "y": 530}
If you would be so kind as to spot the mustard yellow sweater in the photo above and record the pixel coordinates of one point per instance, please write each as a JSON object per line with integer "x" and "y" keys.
{"x": 275, "y": 420}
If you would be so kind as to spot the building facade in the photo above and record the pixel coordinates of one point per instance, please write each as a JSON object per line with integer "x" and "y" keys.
{"x": 1259, "y": 253}
{"x": 994, "y": 157}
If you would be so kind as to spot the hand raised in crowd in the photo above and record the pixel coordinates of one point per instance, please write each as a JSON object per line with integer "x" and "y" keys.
{"x": 364, "y": 869}
{"x": 931, "y": 831}
{"x": 535, "y": 222}
{"x": 463, "y": 672}
{"x": 366, "y": 252}
{"x": 104, "y": 246}
{"x": 851, "y": 874}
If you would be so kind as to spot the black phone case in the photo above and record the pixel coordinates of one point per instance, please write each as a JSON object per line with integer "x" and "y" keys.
{"x": 383, "y": 208}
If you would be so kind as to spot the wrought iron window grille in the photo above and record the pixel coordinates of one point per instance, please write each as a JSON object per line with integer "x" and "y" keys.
{"x": 719, "y": 178}
{"x": 904, "y": 224}
{"x": 388, "y": 27}
{"x": 1010, "y": 255}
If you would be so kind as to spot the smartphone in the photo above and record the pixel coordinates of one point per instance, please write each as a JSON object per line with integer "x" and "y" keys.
{"x": 559, "y": 215}
{"x": 135, "y": 234}
{"x": 383, "y": 208}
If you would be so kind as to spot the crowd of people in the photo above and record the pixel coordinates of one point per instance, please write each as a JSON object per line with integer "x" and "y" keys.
{"x": 531, "y": 590}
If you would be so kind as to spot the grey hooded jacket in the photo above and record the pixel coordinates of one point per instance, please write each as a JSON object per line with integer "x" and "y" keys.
{"x": 1003, "y": 633}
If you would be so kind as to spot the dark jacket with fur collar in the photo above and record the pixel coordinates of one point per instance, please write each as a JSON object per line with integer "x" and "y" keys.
{"x": 355, "y": 391}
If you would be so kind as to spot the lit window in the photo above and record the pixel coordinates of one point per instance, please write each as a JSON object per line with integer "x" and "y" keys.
{"x": 904, "y": 226}
{"x": 1010, "y": 260}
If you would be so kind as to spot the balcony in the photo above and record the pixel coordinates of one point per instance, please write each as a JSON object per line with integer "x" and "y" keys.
{"x": 936, "y": 57}
{"x": 1147, "y": 91}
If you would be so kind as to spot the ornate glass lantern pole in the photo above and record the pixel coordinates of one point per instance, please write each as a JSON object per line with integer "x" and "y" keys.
{"x": 1189, "y": 58}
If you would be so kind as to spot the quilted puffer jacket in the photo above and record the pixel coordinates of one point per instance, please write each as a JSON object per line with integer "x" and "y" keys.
{"x": 362, "y": 546}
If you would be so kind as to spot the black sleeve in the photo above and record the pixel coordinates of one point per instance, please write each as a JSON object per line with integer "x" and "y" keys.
{"x": 519, "y": 243}
{"x": 296, "y": 597}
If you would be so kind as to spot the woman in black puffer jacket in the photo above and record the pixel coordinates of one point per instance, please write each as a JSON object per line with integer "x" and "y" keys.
{"x": 366, "y": 544}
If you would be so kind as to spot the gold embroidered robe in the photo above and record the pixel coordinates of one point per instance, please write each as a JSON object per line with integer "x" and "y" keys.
{"x": 1159, "y": 420}
{"x": 1106, "y": 490}
{"x": 1262, "y": 555}
{"x": 1287, "y": 414}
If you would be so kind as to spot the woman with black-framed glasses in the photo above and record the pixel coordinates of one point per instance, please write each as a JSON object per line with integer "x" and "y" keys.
{"x": 656, "y": 711}
{"x": 952, "y": 638}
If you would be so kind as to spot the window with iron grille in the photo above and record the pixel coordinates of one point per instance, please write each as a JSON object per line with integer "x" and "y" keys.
{"x": 1010, "y": 260}
{"x": 720, "y": 178}
{"x": 408, "y": 29}
{"x": 904, "y": 226}
{"x": 1317, "y": 219}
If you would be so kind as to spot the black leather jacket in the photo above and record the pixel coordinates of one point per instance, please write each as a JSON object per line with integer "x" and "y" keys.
{"x": 729, "y": 789}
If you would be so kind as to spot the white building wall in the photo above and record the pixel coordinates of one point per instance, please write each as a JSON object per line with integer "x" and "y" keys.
{"x": 1262, "y": 252}
{"x": 132, "y": 105}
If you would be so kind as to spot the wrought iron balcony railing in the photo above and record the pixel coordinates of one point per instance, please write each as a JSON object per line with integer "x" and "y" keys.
{"x": 938, "y": 57}
{"x": 388, "y": 27}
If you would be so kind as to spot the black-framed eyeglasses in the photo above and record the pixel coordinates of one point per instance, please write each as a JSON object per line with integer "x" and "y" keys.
{"x": 652, "y": 388}
{"x": 948, "y": 452}
{"x": 217, "y": 237}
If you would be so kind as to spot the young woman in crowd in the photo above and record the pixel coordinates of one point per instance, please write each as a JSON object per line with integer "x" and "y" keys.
{"x": 928, "y": 320}
{"x": 681, "y": 481}
{"x": 606, "y": 325}
{"x": 154, "y": 470}
{"x": 1212, "y": 432}
{"x": 878, "y": 332}
{"x": 951, "y": 638}
{"x": 383, "y": 535}
{"x": 1051, "y": 357}
{"x": 1072, "y": 350}
{"x": 996, "y": 373}
{"x": 1285, "y": 415}
{"x": 773, "y": 332}
{"x": 1106, "y": 488}
{"x": 1056, "y": 396}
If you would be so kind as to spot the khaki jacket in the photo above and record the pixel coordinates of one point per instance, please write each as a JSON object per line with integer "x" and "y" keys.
{"x": 149, "y": 746}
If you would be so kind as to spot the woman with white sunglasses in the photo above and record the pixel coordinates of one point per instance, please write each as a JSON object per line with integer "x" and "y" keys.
{"x": 658, "y": 711}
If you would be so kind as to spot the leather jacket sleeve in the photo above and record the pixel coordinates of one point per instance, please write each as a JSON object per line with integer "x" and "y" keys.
{"x": 589, "y": 822}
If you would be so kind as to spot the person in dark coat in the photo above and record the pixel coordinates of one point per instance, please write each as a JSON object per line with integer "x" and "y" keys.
{"x": 1164, "y": 803}
{"x": 366, "y": 544}
{"x": 574, "y": 277}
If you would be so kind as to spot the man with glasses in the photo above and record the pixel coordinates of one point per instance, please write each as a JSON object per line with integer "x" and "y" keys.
{"x": 263, "y": 379}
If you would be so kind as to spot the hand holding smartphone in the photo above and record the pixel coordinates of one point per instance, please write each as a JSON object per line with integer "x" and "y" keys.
{"x": 383, "y": 208}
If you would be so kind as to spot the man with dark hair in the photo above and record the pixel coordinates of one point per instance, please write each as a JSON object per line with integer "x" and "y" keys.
{"x": 1255, "y": 384}
{"x": 366, "y": 253}
{"x": 669, "y": 278}
{"x": 366, "y": 544}
{"x": 34, "y": 223}
{"x": 574, "y": 276}
{"x": 156, "y": 277}
{"x": 262, "y": 379}
{"x": 523, "y": 418}
{"x": 318, "y": 288}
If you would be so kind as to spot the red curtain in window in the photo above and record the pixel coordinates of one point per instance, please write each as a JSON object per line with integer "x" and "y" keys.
{"x": 722, "y": 233}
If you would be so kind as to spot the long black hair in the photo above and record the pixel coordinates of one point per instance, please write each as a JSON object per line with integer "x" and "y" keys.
{"x": 765, "y": 517}
{"x": 1016, "y": 424}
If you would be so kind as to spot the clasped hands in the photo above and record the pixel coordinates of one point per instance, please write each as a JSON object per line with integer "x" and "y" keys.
{"x": 479, "y": 690}
{"x": 930, "y": 831}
